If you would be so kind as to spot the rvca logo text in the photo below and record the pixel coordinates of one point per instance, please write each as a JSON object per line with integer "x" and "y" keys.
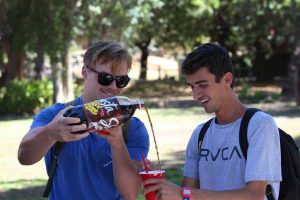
{"x": 226, "y": 153}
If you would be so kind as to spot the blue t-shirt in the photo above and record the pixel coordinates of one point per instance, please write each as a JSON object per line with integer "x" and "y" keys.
{"x": 84, "y": 169}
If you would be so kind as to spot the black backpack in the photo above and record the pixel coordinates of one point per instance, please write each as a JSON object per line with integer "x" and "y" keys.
{"x": 290, "y": 158}
{"x": 59, "y": 146}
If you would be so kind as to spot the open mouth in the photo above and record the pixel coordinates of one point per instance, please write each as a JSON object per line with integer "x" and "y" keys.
{"x": 203, "y": 101}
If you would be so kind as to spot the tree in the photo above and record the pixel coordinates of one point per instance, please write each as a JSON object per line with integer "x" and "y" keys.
{"x": 102, "y": 19}
{"x": 164, "y": 24}
{"x": 14, "y": 25}
{"x": 62, "y": 22}
{"x": 292, "y": 84}
{"x": 145, "y": 24}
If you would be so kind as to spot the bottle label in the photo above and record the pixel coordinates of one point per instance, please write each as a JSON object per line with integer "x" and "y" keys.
{"x": 103, "y": 114}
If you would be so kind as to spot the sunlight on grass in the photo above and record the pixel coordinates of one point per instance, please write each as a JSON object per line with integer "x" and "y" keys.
{"x": 21, "y": 184}
{"x": 172, "y": 128}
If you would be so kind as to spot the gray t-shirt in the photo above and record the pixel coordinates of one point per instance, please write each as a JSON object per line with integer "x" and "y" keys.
{"x": 222, "y": 166}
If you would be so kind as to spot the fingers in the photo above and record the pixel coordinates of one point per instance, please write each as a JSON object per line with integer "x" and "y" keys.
{"x": 60, "y": 113}
{"x": 163, "y": 189}
{"x": 76, "y": 137}
{"x": 67, "y": 137}
{"x": 61, "y": 128}
{"x": 67, "y": 120}
{"x": 153, "y": 185}
{"x": 152, "y": 188}
{"x": 71, "y": 120}
{"x": 153, "y": 181}
{"x": 115, "y": 130}
{"x": 76, "y": 128}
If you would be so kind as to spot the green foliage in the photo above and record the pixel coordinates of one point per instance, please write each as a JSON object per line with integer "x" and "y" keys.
{"x": 25, "y": 96}
{"x": 246, "y": 95}
{"x": 244, "y": 90}
{"x": 78, "y": 89}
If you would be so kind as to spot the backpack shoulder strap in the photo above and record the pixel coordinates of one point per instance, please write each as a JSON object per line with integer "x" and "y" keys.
{"x": 244, "y": 143}
{"x": 202, "y": 133}
{"x": 57, "y": 149}
{"x": 125, "y": 130}
{"x": 243, "y": 130}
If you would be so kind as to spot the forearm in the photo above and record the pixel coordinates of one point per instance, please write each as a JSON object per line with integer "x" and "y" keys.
{"x": 34, "y": 145}
{"x": 226, "y": 195}
{"x": 254, "y": 190}
{"x": 126, "y": 175}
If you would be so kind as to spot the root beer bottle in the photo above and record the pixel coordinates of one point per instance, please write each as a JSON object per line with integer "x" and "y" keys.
{"x": 104, "y": 113}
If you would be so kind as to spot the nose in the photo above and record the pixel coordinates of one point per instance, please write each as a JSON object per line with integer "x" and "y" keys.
{"x": 196, "y": 93}
{"x": 113, "y": 85}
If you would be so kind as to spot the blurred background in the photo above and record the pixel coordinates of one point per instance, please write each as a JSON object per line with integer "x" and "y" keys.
{"x": 42, "y": 44}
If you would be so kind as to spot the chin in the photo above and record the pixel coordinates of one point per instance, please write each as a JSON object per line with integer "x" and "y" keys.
{"x": 209, "y": 110}
{"x": 105, "y": 94}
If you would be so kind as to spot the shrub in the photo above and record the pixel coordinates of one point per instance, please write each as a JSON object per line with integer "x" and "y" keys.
{"x": 25, "y": 96}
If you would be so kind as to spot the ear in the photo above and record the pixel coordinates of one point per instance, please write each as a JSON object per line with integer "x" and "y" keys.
{"x": 228, "y": 78}
{"x": 84, "y": 72}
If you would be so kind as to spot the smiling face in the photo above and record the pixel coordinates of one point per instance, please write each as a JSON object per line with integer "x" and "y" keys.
{"x": 104, "y": 63}
{"x": 92, "y": 90}
{"x": 210, "y": 94}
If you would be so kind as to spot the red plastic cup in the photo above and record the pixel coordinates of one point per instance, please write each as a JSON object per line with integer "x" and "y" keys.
{"x": 159, "y": 174}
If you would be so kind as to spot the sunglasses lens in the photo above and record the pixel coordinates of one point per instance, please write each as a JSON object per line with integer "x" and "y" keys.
{"x": 122, "y": 81}
{"x": 105, "y": 79}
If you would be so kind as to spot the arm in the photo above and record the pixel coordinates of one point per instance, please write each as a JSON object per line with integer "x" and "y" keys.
{"x": 127, "y": 179}
{"x": 254, "y": 190}
{"x": 39, "y": 140}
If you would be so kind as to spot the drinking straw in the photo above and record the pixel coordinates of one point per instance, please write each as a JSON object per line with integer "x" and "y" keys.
{"x": 144, "y": 162}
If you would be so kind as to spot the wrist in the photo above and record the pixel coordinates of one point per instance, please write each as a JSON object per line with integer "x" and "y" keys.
{"x": 186, "y": 193}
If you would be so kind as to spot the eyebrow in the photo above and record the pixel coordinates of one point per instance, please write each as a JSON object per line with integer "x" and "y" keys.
{"x": 197, "y": 82}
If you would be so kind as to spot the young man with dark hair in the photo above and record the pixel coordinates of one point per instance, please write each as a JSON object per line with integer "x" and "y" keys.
{"x": 219, "y": 170}
{"x": 89, "y": 166}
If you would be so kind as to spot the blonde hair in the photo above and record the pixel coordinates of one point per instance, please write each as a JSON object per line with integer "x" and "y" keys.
{"x": 103, "y": 52}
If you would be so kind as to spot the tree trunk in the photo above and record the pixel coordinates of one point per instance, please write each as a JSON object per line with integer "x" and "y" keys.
{"x": 143, "y": 46}
{"x": 39, "y": 62}
{"x": 1, "y": 61}
{"x": 294, "y": 73}
{"x": 222, "y": 27}
{"x": 57, "y": 82}
{"x": 144, "y": 59}
{"x": 291, "y": 86}
{"x": 14, "y": 67}
{"x": 67, "y": 78}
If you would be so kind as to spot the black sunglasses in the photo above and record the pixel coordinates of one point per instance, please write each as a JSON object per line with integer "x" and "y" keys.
{"x": 106, "y": 79}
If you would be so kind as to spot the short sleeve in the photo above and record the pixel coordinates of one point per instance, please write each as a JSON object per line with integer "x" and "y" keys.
{"x": 138, "y": 139}
{"x": 191, "y": 166}
{"x": 263, "y": 150}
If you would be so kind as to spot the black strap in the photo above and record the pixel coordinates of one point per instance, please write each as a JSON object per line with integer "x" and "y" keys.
{"x": 57, "y": 149}
{"x": 244, "y": 129}
{"x": 244, "y": 143}
{"x": 269, "y": 192}
{"x": 125, "y": 130}
{"x": 202, "y": 133}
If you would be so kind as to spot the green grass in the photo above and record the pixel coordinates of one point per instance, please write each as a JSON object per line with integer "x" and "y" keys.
{"x": 172, "y": 129}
